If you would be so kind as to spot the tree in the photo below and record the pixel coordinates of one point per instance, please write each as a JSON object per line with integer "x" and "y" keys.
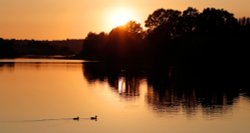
{"x": 94, "y": 45}
{"x": 214, "y": 20}
{"x": 7, "y": 48}
{"x": 156, "y": 19}
{"x": 131, "y": 29}
{"x": 244, "y": 21}
{"x": 127, "y": 34}
{"x": 163, "y": 24}
{"x": 123, "y": 42}
{"x": 126, "y": 40}
{"x": 190, "y": 20}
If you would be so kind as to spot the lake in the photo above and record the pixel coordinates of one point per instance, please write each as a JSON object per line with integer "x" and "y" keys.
{"x": 43, "y": 95}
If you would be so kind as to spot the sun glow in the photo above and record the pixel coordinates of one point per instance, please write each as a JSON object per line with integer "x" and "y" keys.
{"x": 120, "y": 16}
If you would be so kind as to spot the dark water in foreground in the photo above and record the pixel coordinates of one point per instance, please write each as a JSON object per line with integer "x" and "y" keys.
{"x": 125, "y": 100}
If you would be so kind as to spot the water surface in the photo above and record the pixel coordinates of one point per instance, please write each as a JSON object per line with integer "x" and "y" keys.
{"x": 126, "y": 100}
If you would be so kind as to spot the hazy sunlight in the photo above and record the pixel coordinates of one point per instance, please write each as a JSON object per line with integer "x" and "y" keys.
{"x": 119, "y": 16}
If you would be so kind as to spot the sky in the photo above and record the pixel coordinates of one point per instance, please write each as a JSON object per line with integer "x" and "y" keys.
{"x": 74, "y": 19}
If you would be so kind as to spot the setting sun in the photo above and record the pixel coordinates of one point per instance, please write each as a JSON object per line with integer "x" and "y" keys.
{"x": 119, "y": 16}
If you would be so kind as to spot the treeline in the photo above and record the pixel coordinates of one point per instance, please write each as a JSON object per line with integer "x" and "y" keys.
{"x": 122, "y": 42}
{"x": 17, "y": 48}
{"x": 172, "y": 36}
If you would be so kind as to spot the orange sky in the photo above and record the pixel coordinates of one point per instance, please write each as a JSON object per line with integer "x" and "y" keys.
{"x": 73, "y": 19}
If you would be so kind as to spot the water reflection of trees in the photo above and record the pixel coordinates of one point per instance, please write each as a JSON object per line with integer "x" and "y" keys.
{"x": 9, "y": 66}
{"x": 172, "y": 89}
{"x": 210, "y": 100}
{"x": 121, "y": 80}
{"x": 12, "y": 66}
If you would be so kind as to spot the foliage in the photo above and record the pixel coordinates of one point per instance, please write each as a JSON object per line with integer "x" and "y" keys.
{"x": 122, "y": 43}
{"x": 17, "y": 48}
{"x": 173, "y": 36}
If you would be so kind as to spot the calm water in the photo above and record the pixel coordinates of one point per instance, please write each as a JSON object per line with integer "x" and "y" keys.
{"x": 125, "y": 100}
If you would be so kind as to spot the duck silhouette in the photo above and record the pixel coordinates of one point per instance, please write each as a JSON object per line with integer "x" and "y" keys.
{"x": 93, "y": 118}
{"x": 76, "y": 118}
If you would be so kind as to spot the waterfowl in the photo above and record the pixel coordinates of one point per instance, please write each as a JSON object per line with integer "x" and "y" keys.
{"x": 94, "y": 117}
{"x": 76, "y": 118}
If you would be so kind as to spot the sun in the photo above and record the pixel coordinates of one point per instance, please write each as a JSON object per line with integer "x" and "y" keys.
{"x": 119, "y": 16}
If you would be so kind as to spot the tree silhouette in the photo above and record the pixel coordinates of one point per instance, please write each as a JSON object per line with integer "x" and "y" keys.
{"x": 190, "y": 20}
{"x": 163, "y": 24}
{"x": 190, "y": 37}
{"x": 121, "y": 44}
{"x": 244, "y": 21}
{"x": 7, "y": 48}
{"x": 94, "y": 45}
{"x": 216, "y": 20}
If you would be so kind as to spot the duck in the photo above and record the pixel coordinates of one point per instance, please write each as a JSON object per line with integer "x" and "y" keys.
{"x": 93, "y": 117}
{"x": 76, "y": 118}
